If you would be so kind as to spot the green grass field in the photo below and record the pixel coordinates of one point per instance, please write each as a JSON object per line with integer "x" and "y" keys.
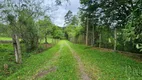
{"x": 68, "y": 61}
{"x": 109, "y": 65}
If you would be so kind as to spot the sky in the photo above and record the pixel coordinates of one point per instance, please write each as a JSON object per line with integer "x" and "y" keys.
{"x": 57, "y": 15}
{"x": 58, "y": 12}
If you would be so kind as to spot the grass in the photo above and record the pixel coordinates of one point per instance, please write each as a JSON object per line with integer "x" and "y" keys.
{"x": 64, "y": 62}
{"x": 98, "y": 64}
{"x": 32, "y": 64}
{"x": 5, "y": 38}
{"x": 7, "y": 57}
{"x": 109, "y": 65}
{"x": 49, "y": 39}
{"x": 66, "y": 66}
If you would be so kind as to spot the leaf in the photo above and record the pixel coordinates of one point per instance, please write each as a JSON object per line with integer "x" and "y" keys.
{"x": 137, "y": 46}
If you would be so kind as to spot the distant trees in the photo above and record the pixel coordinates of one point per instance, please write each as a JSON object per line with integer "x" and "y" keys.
{"x": 72, "y": 28}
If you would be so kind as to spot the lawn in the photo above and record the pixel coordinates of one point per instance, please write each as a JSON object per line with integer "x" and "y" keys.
{"x": 108, "y": 65}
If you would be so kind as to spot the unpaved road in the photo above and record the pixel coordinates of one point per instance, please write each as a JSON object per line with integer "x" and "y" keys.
{"x": 53, "y": 64}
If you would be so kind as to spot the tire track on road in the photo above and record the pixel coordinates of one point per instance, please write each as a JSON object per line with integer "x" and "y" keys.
{"x": 49, "y": 67}
{"x": 83, "y": 74}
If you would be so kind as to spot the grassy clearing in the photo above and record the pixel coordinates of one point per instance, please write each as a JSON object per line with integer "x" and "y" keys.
{"x": 108, "y": 65}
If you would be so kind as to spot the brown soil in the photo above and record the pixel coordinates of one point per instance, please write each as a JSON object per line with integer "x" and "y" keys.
{"x": 47, "y": 45}
{"x": 45, "y": 72}
{"x": 5, "y": 41}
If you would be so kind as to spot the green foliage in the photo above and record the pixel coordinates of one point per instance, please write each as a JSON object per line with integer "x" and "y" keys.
{"x": 68, "y": 17}
{"x": 132, "y": 32}
{"x": 45, "y": 27}
{"x": 21, "y": 19}
{"x": 73, "y": 31}
{"x": 114, "y": 14}
{"x": 58, "y": 34}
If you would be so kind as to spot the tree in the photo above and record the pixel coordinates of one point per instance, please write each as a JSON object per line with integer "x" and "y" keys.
{"x": 112, "y": 15}
{"x": 68, "y": 18}
{"x": 45, "y": 27}
{"x": 20, "y": 17}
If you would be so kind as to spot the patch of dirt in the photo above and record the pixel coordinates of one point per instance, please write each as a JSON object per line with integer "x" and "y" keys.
{"x": 84, "y": 75}
{"x": 43, "y": 48}
{"x": 135, "y": 56}
{"x": 45, "y": 72}
{"x": 102, "y": 49}
{"x": 5, "y": 41}
{"x": 47, "y": 45}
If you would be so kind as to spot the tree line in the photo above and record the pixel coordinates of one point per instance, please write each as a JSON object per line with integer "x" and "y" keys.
{"x": 26, "y": 22}
{"x": 114, "y": 24}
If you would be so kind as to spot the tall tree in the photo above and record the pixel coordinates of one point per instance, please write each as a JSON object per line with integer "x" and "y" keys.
{"x": 68, "y": 18}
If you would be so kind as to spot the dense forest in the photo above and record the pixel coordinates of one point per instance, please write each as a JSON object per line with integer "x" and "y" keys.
{"x": 26, "y": 28}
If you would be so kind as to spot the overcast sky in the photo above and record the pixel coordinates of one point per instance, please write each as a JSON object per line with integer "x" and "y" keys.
{"x": 58, "y": 12}
{"x": 57, "y": 15}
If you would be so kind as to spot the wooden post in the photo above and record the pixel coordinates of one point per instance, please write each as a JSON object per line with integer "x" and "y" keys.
{"x": 115, "y": 39}
{"x": 87, "y": 33}
{"x": 93, "y": 36}
{"x": 17, "y": 49}
{"x": 100, "y": 40}
{"x": 46, "y": 39}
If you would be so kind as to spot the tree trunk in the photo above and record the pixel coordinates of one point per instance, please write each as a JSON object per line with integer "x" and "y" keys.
{"x": 17, "y": 49}
{"x": 115, "y": 39}
{"x": 52, "y": 40}
{"x": 87, "y": 33}
{"x": 93, "y": 36}
{"x": 100, "y": 40}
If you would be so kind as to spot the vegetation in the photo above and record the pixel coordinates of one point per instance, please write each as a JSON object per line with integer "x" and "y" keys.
{"x": 59, "y": 60}
{"x": 87, "y": 47}
{"x": 112, "y": 23}
{"x": 5, "y": 38}
{"x": 108, "y": 65}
